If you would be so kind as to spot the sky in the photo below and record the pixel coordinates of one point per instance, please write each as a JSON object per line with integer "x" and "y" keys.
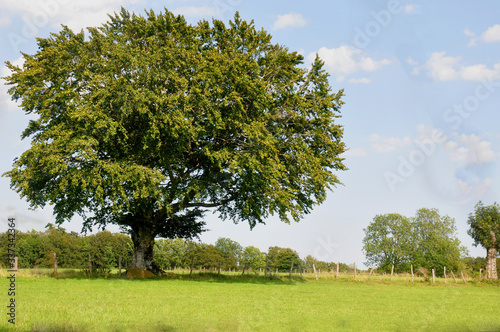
{"x": 421, "y": 114}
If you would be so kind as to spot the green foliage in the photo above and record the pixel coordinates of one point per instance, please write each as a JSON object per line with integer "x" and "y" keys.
{"x": 231, "y": 252}
{"x": 28, "y": 248}
{"x": 485, "y": 225}
{"x": 427, "y": 240}
{"x": 388, "y": 241}
{"x": 252, "y": 257}
{"x": 171, "y": 253}
{"x": 281, "y": 258}
{"x": 436, "y": 243}
{"x": 146, "y": 120}
{"x": 36, "y": 249}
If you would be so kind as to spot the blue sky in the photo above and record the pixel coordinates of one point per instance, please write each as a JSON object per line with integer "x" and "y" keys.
{"x": 421, "y": 114}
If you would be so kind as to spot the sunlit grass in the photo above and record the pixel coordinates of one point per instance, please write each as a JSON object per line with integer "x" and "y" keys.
{"x": 205, "y": 302}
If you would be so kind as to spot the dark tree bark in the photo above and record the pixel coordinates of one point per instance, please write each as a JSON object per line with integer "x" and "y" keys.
{"x": 491, "y": 259}
{"x": 143, "y": 237}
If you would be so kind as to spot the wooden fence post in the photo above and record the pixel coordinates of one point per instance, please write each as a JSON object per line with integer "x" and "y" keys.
{"x": 480, "y": 274}
{"x": 433, "y": 276}
{"x": 411, "y": 272}
{"x": 453, "y": 275}
{"x": 120, "y": 265}
{"x": 445, "y": 274}
{"x": 370, "y": 273}
{"x": 355, "y": 277}
{"x": 337, "y": 275}
{"x": 291, "y": 268}
{"x": 314, "y": 268}
{"x": 392, "y": 272}
{"x": 462, "y": 272}
{"x": 15, "y": 264}
{"x": 55, "y": 264}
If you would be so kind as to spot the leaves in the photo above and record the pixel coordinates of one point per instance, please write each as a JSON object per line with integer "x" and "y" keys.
{"x": 426, "y": 240}
{"x": 485, "y": 225}
{"x": 146, "y": 118}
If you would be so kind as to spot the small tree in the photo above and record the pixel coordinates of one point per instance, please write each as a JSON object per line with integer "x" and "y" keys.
{"x": 254, "y": 258}
{"x": 230, "y": 251}
{"x": 485, "y": 230}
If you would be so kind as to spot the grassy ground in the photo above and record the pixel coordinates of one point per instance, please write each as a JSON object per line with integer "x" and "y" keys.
{"x": 232, "y": 303}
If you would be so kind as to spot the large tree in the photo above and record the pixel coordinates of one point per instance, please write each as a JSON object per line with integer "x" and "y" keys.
{"x": 147, "y": 121}
{"x": 485, "y": 230}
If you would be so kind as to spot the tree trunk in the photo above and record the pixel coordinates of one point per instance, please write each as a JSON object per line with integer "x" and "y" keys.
{"x": 491, "y": 264}
{"x": 143, "y": 238}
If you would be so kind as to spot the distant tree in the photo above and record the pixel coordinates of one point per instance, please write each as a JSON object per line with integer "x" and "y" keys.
{"x": 435, "y": 242}
{"x": 230, "y": 250}
{"x": 427, "y": 240}
{"x": 209, "y": 257}
{"x": 388, "y": 241}
{"x": 252, "y": 257}
{"x": 101, "y": 251}
{"x": 309, "y": 261}
{"x": 162, "y": 253}
{"x": 485, "y": 230}
{"x": 145, "y": 122}
{"x": 272, "y": 256}
{"x": 28, "y": 248}
{"x": 67, "y": 246}
{"x": 281, "y": 258}
{"x": 124, "y": 247}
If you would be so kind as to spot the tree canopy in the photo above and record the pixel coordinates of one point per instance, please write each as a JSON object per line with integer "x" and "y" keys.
{"x": 427, "y": 240}
{"x": 146, "y": 121}
{"x": 485, "y": 230}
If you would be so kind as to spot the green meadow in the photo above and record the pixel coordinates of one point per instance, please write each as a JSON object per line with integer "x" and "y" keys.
{"x": 206, "y": 302}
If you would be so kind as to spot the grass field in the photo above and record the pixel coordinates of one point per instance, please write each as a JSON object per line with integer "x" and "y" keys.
{"x": 232, "y": 303}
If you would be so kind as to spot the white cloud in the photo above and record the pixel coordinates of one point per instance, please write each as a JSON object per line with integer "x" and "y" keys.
{"x": 344, "y": 60}
{"x": 479, "y": 72}
{"x": 4, "y": 20}
{"x": 388, "y": 144}
{"x": 469, "y": 149}
{"x": 447, "y": 68}
{"x": 469, "y": 33}
{"x": 76, "y": 15}
{"x": 196, "y": 11}
{"x": 479, "y": 151}
{"x": 441, "y": 67}
{"x": 355, "y": 152}
{"x": 409, "y": 8}
{"x": 362, "y": 80}
{"x": 290, "y": 20}
{"x": 412, "y": 62}
{"x": 492, "y": 34}
{"x": 472, "y": 37}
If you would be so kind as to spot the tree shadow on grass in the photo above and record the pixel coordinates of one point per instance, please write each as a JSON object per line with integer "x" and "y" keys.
{"x": 235, "y": 279}
{"x": 157, "y": 327}
{"x": 249, "y": 278}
